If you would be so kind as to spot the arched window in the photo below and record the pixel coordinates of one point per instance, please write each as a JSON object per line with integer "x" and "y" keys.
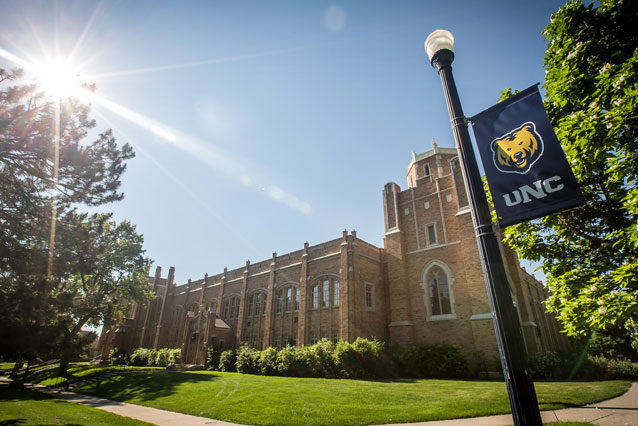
{"x": 325, "y": 292}
{"x": 287, "y": 297}
{"x": 439, "y": 292}
{"x": 231, "y": 308}
{"x": 436, "y": 282}
{"x": 234, "y": 307}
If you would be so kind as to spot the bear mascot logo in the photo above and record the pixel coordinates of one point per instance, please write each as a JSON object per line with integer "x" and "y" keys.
{"x": 518, "y": 150}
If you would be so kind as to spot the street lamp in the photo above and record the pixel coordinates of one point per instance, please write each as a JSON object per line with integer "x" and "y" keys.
{"x": 440, "y": 49}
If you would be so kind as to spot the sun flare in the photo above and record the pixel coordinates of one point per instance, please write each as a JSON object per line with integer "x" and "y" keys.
{"x": 59, "y": 79}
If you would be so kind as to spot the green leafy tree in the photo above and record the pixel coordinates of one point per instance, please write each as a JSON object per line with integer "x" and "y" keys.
{"x": 36, "y": 321}
{"x": 108, "y": 269}
{"x": 590, "y": 254}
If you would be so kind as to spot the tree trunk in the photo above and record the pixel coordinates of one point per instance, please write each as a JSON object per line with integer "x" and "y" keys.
{"x": 66, "y": 354}
{"x": 66, "y": 347}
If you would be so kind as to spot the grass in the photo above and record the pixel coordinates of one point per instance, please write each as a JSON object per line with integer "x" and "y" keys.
{"x": 25, "y": 407}
{"x": 248, "y": 399}
{"x": 77, "y": 371}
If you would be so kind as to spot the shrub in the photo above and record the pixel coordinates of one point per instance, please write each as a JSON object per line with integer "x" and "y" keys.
{"x": 346, "y": 362}
{"x": 212, "y": 358}
{"x": 319, "y": 358}
{"x": 292, "y": 362}
{"x": 622, "y": 370}
{"x": 268, "y": 362}
{"x": 118, "y": 356}
{"x": 547, "y": 365}
{"x": 227, "y": 360}
{"x": 431, "y": 361}
{"x": 247, "y": 361}
{"x": 140, "y": 357}
{"x": 372, "y": 358}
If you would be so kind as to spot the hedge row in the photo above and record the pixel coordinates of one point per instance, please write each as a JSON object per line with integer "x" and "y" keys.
{"x": 557, "y": 365}
{"x": 361, "y": 359}
{"x": 143, "y": 357}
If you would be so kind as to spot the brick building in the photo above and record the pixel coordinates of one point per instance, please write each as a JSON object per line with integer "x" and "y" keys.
{"x": 425, "y": 285}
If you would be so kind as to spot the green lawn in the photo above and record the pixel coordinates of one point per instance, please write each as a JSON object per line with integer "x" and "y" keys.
{"x": 77, "y": 371}
{"x": 248, "y": 399}
{"x": 25, "y": 407}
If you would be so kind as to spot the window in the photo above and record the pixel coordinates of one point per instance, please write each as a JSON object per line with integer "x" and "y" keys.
{"x": 296, "y": 299}
{"x": 280, "y": 301}
{"x": 288, "y": 299}
{"x": 335, "y": 339}
{"x": 370, "y": 297}
{"x": 431, "y": 233}
{"x": 263, "y": 304}
{"x": 314, "y": 339}
{"x": 257, "y": 304}
{"x": 426, "y": 169}
{"x": 226, "y": 308}
{"x": 278, "y": 341}
{"x": 325, "y": 300}
{"x": 250, "y": 306}
{"x": 315, "y": 296}
{"x": 335, "y": 293}
{"x": 439, "y": 292}
{"x": 326, "y": 335}
{"x": 234, "y": 307}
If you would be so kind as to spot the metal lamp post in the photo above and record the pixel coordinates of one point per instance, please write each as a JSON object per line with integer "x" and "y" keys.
{"x": 440, "y": 49}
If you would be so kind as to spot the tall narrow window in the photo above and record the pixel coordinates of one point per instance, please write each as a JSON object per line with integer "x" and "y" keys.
{"x": 250, "y": 306}
{"x": 315, "y": 296}
{"x": 335, "y": 296}
{"x": 226, "y": 308}
{"x": 257, "y": 304}
{"x": 280, "y": 301}
{"x": 325, "y": 299}
{"x": 296, "y": 299}
{"x": 234, "y": 307}
{"x": 426, "y": 169}
{"x": 431, "y": 234}
{"x": 288, "y": 299}
{"x": 370, "y": 297}
{"x": 263, "y": 304}
{"x": 439, "y": 292}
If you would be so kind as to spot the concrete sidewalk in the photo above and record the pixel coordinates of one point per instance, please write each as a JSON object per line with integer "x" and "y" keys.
{"x": 620, "y": 411}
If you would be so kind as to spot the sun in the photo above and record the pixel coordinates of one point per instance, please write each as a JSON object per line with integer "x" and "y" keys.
{"x": 59, "y": 79}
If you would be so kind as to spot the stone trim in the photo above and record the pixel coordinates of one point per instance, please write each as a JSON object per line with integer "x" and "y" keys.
{"x": 400, "y": 324}
{"x": 433, "y": 247}
{"x": 481, "y": 316}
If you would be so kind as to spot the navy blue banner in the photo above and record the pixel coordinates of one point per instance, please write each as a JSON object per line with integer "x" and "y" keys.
{"x": 525, "y": 166}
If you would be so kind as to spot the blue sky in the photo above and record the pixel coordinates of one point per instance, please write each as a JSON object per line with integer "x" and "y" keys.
{"x": 261, "y": 125}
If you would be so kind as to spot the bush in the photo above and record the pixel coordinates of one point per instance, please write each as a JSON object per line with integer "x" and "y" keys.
{"x": 247, "y": 361}
{"x": 547, "y": 365}
{"x": 140, "y": 357}
{"x": 622, "y": 370}
{"x": 268, "y": 362}
{"x": 118, "y": 356}
{"x": 431, "y": 361}
{"x": 320, "y": 360}
{"x": 292, "y": 362}
{"x": 212, "y": 358}
{"x": 346, "y": 362}
{"x": 227, "y": 361}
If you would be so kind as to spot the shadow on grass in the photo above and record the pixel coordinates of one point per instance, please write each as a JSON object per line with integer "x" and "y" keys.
{"x": 143, "y": 386}
{"x": 8, "y": 394}
{"x": 16, "y": 422}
